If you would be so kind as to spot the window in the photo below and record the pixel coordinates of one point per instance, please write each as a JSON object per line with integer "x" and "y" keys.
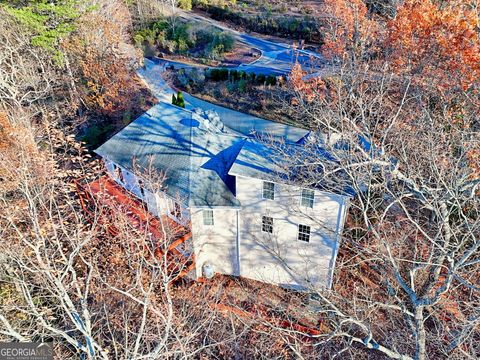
{"x": 268, "y": 190}
{"x": 267, "y": 224}
{"x": 177, "y": 211}
{"x": 140, "y": 185}
{"x": 208, "y": 217}
{"x": 308, "y": 197}
{"x": 118, "y": 173}
{"x": 304, "y": 233}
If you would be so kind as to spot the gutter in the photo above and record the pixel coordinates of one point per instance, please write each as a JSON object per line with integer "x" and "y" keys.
{"x": 238, "y": 270}
{"x": 340, "y": 225}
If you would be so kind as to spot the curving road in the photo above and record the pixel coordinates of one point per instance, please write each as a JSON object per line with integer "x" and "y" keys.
{"x": 276, "y": 59}
{"x": 242, "y": 123}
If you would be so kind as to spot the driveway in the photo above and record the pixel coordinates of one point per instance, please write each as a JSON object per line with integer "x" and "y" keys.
{"x": 241, "y": 123}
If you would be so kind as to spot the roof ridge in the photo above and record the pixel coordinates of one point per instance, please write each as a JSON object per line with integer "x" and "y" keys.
{"x": 190, "y": 161}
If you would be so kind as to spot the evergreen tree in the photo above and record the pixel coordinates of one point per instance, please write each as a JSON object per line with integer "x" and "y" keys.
{"x": 180, "y": 100}
{"x": 48, "y": 22}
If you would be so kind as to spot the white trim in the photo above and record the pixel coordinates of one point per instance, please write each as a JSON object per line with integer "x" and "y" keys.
{"x": 238, "y": 269}
{"x": 304, "y": 233}
{"x": 292, "y": 185}
{"x": 206, "y": 207}
{"x": 343, "y": 211}
{"x": 212, "y": 218}
{"x": 263, "y": 190}
{"x": 301, "y": 198}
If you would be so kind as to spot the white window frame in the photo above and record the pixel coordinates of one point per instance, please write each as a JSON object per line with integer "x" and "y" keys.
{"x": 306, "y": 233}
{"x": 176, "y": 210}
{"x": 272, "y": 191}
{"x": 118, "y": 173}
{"x": 267, "y": 223}
{"x": 141, "y": 187}
{"x": 307, "y": 198}
{"x": 207, "y": 219}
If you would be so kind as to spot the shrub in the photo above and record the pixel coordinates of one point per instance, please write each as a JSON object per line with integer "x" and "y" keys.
{"x": 224, "y": 74}
{"x": 232, "y": 88}
{"x": 196, "y": 77}
{"x": 226, "y": 40}
{"x": 204, "y": 36}
{"x": 219, "y": 44}
{"x": 180, "y": 100}
{"x": 271, "y": 80}
{"x": 215, "y": 52}
{"x": 127, "y": 117}
{"x": 185, "y": 4}
{"x": 217, "y": 93}
{"x": 97, "y": 134}
{"x": 138, "y": 40}
{"x": 182, "y": 36}
{"x": 233, "y": 75}
{"x": 210, "y": 74}
{"x": 261, "y": 79}
{"x": 169, "y": 45}
{"x": 182, "y": 77}
{"x": 218, "y": 74}
{"x": 144, "y": 36}
{"x": 242, "y": 86}
{"x": 160, "y": 25}
{"x": 182, "y": 45}
{"x": 161, "y": 37}
{"x": 293, "y": 27}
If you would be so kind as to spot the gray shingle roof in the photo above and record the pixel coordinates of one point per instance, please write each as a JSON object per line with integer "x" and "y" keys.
{"x": 199, "y": 164}
{"x": 244, "y": 124}
{"x": 194, "y": 161}
{"x": 291, "y": 163}
{"x": 247, "y": 124}
{"x": 256, "y": 160}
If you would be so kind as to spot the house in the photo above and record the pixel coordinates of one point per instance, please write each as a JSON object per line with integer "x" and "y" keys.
{"x": 246, "y": 219}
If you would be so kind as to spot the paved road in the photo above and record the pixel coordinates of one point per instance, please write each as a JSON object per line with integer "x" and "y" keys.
{"x": 239, "y": 122}
{"x": 276, "y": 59}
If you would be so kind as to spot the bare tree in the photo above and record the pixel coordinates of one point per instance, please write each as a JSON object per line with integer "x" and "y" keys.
{"x": 411, "y": 243}
{"x": 70, "y": 279}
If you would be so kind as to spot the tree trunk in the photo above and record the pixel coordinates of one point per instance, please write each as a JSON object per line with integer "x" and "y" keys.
{"x": 420, "y": 352}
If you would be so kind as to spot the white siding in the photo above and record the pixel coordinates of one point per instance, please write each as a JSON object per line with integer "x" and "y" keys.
{"x": 110, "y": 167}
{"x": 216, "y": 244}
{"x": 152, "y": 203}
{"x": 158, "y": 204}
{"x": 166, "y": 206}
{"x": 279, "y": 257}
{"x": 243, "y": 249}
{"x": 131, "y": 183}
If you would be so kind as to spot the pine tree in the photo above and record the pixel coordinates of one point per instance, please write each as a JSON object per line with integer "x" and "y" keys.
{"x": 48, "y": 22}
{"x": 180, "y": 100}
